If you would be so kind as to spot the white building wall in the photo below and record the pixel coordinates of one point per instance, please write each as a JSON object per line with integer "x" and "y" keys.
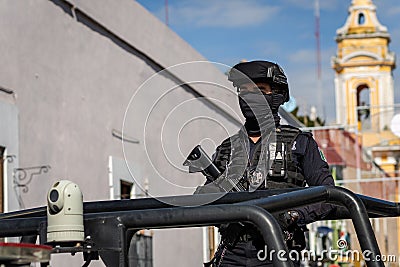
{"x": 75, "y": 72}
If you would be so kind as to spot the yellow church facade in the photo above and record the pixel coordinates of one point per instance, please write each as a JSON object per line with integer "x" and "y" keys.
{"x": 364, "y": 95}
{"x": 364, "y": 86}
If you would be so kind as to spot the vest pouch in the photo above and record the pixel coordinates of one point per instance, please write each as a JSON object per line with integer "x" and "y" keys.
{"x": 296, "y": 178}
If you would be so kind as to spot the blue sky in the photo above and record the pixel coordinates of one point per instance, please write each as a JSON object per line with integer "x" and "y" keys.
{"x": 278, "y": 30}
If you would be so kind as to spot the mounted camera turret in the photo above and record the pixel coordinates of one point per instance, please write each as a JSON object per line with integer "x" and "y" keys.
{"x": 65, "y": 213}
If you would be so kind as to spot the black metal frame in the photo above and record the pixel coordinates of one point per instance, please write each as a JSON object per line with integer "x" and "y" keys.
{"x": 106, "y": 218}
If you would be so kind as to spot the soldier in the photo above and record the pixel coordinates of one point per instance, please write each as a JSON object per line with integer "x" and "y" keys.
{"x": 265, "y": 155}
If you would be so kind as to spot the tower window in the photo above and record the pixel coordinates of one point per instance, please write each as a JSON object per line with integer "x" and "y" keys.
{"x": 361, "y": 19}
{"x": 363, "y": 106}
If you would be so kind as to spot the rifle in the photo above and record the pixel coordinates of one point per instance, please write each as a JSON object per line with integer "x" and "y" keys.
{"x": 199, "y": 161}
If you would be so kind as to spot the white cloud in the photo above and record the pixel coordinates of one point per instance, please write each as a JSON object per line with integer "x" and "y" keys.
{"x": 394, "y": 11}
{"x": 309, "y": 56}
{"x": 304, "y": 56}
{"x": 268, "y": 49}
{"x": 386, "y": 8}
{"x": 227, "y": 14}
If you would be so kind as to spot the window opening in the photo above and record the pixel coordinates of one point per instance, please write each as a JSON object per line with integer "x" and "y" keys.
{"x": 126, "y": 189}
{"x": 361, "y": 19}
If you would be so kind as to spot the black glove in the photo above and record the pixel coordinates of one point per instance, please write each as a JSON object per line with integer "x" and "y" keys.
{"x": 287, "y": 219}
{"x": 230, "y": 232}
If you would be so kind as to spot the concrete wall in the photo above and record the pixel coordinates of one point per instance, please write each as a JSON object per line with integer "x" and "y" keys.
{"x": 75, "y": 66}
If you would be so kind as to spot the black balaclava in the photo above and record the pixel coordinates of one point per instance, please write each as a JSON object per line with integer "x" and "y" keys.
{"x": 260, "y": 111}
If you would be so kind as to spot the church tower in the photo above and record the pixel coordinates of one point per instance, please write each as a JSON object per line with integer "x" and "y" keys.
{"x": 363, "y": 66}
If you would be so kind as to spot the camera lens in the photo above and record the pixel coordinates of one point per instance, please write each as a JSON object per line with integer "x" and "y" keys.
{"x": 54, "y": 195}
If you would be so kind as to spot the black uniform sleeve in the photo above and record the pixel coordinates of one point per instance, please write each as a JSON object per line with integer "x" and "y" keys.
{"x": 316, "y": 172}
{"x": 316, "y": 169}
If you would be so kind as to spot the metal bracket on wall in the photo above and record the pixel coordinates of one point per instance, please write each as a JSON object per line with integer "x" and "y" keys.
{"x": 22, "y": 179}
{"x": 9, "y": 158}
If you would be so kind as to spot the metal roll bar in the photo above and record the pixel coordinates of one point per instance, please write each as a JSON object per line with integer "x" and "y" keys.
{"x": 335, "y": 195}
{"x": 356, "y": 207}
{"x": 201, "y": 216}
{"x": 375, "y": 207}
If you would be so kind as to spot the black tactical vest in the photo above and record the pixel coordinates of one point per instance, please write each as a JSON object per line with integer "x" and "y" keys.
{"x": 272, "y": 164}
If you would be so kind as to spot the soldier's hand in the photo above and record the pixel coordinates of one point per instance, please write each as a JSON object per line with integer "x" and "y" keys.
{"x": 287, "y": 219}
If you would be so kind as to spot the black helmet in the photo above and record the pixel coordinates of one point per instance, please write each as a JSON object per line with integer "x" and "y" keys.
{"x": 260, "y": 71}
